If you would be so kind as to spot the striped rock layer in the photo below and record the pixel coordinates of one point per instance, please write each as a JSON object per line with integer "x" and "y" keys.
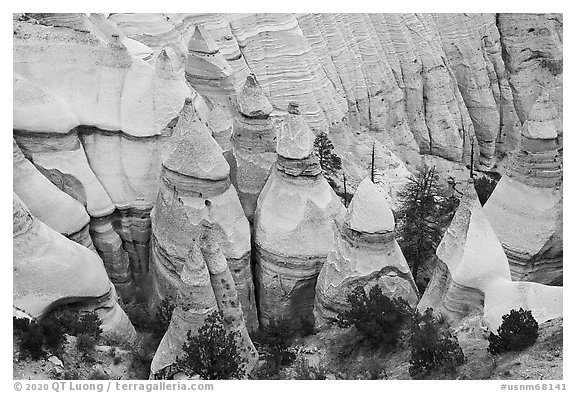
{"x": 366, "y": 255}
{"x": 50, "y": 270}
{"x": 195, "y": 180}
{"x": 472, "y": 274}
{"x": 92, "y": 120}
{"x": 525, "y": 209}
{"x": 254, "y": 144}
{"x": 205, "y": 286}
{"x": 293, "y": 231}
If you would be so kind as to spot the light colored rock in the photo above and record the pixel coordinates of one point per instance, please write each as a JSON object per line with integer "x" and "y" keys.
{"x": 472, "y": 273}
{"x": 50, "y": 270}
{"x": 99, "y": 139}
{"x": 195, "y": 176}
{"x": 254, "y": 141}
{"x": 525, "y": 209}
{"x": 293, "y": 229}
{"x": 366, "y": 254}
{"x": 205, "y": 285}
{"x": 47, "y": 202}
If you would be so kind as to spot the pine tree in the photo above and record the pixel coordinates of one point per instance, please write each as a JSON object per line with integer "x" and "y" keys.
{"x": 213, "y": 353}
{"x": 421, "y": 216}
{"x": 329, "y": 162}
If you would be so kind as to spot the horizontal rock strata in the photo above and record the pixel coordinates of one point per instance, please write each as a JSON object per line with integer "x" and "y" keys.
{"x": 366, "y": 255}
{"x": 57, "y": 271}
{"x": 293, "y": 226}
{"x": 254, "y": 143}
{"x": 472, "y": 274}
{"x": 195, "y": 178}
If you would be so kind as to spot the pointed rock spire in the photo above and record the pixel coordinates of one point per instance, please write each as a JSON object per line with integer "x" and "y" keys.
{"x": 252, "y": 102}
{"x": 166, "y": 66}
{"x": 201, "y": 42}
{"x": 295, "y": 139}
{"x": 195, "y": 153}
{"x": 369, "y": 211}
{"x": 470, "y": 248}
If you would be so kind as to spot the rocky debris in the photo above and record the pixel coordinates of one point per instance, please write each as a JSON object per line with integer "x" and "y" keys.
{"x": 366, "y": 254}
{"x": 472, "y": 273}
{"x": 254, "y": 143}
{"x": 195, "y": 179}
{"x": 60, "y": 271}
{"x": 293, "y": 227}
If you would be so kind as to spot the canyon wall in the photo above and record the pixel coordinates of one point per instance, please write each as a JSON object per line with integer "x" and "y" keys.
{"x": 134, "y": 132}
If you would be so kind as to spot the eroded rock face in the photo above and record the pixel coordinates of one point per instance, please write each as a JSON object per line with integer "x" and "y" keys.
{"x": 50, "y": 270}
{"x": 47, "y": 202}
{"x": 366, "y": 254}
{"x": 293, "y": 226}
{"x": 254, "y": 143}
{"x": 472, "y": 274}
{"x": 525, "y": 209}
{"x": 92, "y": 118}
{"x": 205, "y": 285}
{"x": 195, "y": 178}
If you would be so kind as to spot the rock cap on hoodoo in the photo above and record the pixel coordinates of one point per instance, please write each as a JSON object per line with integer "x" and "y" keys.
{"x": 369, "y": 212}
{"x": 295, "y": 139}
{"x": 252, "y": 102}
{"x": 201, "y": 42}
{"x": 195, "y": 153}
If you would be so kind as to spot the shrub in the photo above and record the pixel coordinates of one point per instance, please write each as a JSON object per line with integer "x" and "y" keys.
{"x": 35, "y": 337}
{"x": 329, "y": 162}
{"x": 433, "y": 347}
{"x": 213, "y": 353}
{"x": 273, "y": 343}
{"x": 75, "y": 323}
{"x": 85, "y": 342}
{"x": 518, "y": 331}
{"x": 138, "y": 315}
{"x": 163, "y": 317}
{"x": 377, "y": 318}
{"x": 424, "y": 212}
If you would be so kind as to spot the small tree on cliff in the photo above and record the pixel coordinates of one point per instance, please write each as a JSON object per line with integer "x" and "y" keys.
{"x": 421, "y": 216}
{"x": 377, "y": 317}
{"x": 329, "y": 162}
{"x": 213, "y": 353}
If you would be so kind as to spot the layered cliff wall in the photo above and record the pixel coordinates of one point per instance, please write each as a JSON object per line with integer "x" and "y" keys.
{"x": 50, "y": 270}
{"x": 97, "y": 101}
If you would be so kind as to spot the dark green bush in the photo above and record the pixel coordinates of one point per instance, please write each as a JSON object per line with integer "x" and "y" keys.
{"x": 273, "y": 344}
{"x": 85, "y": 343}
{"x": 434, "y": 348}
{"x": 34, "y": 338}
{"x": 75, "y": 323}
{"x": 377, "y": 318}
{"x": 213, "y": 353}
{"x": 163, "y": 317}
{"x": 518, "y": 331}
{"x": 424, "y": 212}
